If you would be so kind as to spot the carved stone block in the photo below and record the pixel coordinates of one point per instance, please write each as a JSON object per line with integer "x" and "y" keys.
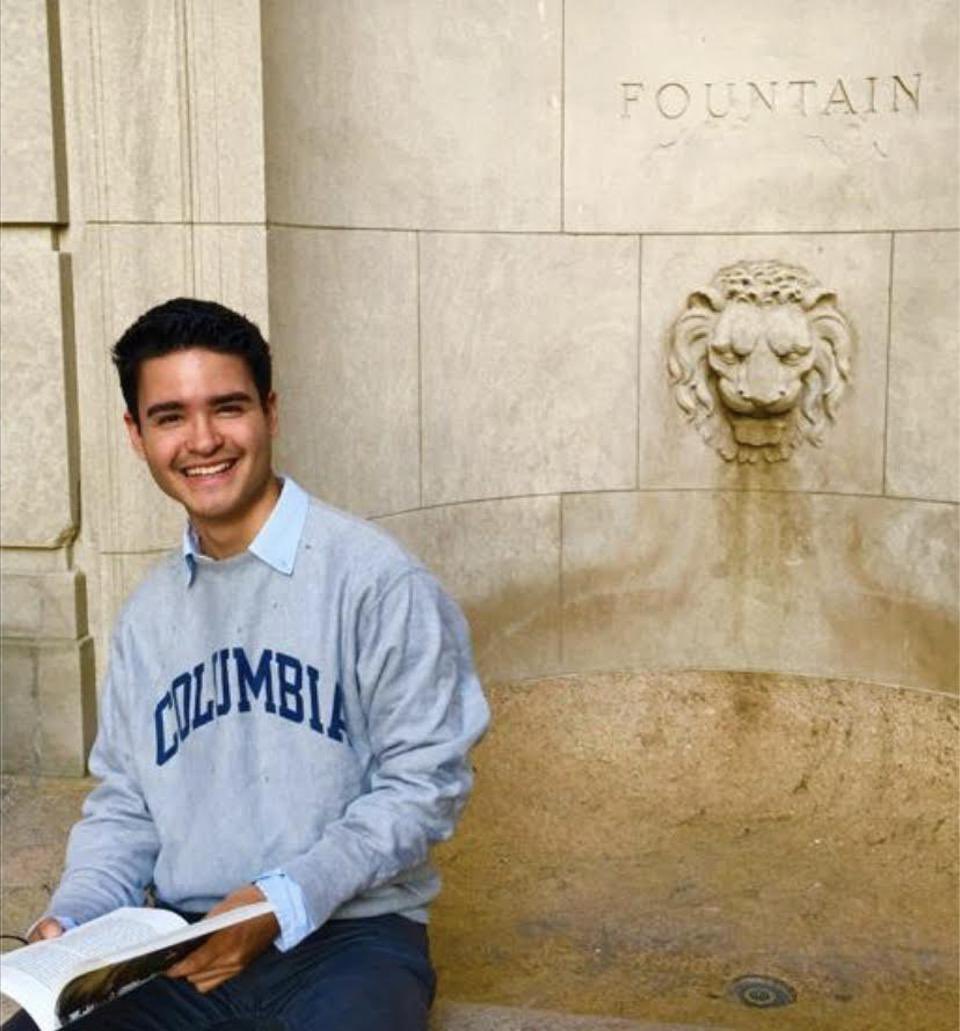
{"x": 37, "y": 502}
{"x": 828, "y": 356}
{"x": 403, "y": 114}
{"x": 774, "y": 117}
{"x": 821, "y": 584}
{"x": 29, "y": 108}
{"x": 170, "y": 125}
{"x": 43, "y": 605}
{"x": 760, "y": 360}
{"x": 923, "y": 439}
{"x": 500, "y": 559}
{"x": 47, "y": 706}
{"x": 345, "y": 344}
{"x": 529, "y": 364}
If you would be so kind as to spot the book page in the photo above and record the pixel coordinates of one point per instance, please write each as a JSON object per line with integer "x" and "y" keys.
{"x": 96, "y": 961}
{"x": 32, "y": 976}
{"x": 53, "y": 961}
{"x": 98, "y": 982}
{"x": 32, "y": 996}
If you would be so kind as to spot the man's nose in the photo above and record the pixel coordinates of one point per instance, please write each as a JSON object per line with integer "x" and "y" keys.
{"x": 204, "y": 438}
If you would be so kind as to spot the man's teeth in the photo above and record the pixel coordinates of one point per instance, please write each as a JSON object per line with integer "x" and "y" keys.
{"x": 208, "y": 470}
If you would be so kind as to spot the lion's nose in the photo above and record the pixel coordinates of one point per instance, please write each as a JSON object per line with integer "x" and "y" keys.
{"x": 760, "y": 396}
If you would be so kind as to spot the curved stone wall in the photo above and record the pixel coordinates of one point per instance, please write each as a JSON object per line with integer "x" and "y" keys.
{"x": 718, "y": 429}
{"x": 489, "y": 243}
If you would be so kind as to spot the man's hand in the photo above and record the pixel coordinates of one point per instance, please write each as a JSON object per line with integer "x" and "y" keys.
{"x": 227, "y": 952}
{"x": 49, "y": 927}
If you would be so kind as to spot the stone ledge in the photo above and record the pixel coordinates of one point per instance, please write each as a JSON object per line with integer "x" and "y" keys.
{"x": 470, "y": 1017}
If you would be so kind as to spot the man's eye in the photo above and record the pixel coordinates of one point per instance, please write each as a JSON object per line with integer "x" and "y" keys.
{"x": 233, "y": 409}
{"x": 167, "y": 420}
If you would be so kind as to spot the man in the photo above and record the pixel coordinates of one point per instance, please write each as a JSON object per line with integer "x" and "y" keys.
{"x": 288, "y": 709}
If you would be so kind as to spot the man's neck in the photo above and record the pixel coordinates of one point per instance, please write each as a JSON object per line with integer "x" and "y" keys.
{"x": 220, "y": 540}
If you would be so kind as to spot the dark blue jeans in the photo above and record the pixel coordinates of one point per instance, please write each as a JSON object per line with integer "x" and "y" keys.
{"x": 350, "y": 975}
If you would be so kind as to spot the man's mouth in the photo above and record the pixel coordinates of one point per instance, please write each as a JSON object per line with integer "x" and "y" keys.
{"x": 213, "y": 469}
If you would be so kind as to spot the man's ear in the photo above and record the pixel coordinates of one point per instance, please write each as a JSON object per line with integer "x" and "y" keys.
{"x": 270, "y": 407}
{"x": 133, "y": 432}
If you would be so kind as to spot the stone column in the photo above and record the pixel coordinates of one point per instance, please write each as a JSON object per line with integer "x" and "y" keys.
{"x": 47, "y": 708}
{"x": 159, "y": 148}
{"x": 164, "y": 119}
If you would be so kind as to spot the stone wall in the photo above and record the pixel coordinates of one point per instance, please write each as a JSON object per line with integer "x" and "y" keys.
{"x": 476, "y": 235}
{"x": 509, "y": 209}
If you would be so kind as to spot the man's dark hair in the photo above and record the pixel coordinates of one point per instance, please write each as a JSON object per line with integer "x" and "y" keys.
{"x": 180, "y": 324}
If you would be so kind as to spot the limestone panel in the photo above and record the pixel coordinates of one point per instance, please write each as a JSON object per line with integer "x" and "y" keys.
{"x": 127, "y": 269}
{"x": 36, "y": 506}
{"x": 28, "y": 173}
{"x": 344, "y": 318}
{"x": 226, "y": 110}
{"x": 855, "y": 269}
{"x": 859, "y": 587}
{"x": 139, "y": 83}
{"x": 43, "y": 605}
{"x": 923, "y": 424}
{"x": 500, "y": 560}
{"x": 529, "y": 364}
{"x": 732, "y": 117}
{"x": 230, "y": 266}
{"x": 166, "y": 110}
{"x": 47, "y": 706}
{"x": 35, "y": 560}
{"x": 408, "y": 115}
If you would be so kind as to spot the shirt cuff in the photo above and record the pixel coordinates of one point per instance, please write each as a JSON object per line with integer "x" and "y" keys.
{"x": 286, "y": 897}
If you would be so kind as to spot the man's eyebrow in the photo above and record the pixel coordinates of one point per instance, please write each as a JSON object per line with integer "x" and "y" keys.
{"x": 164, "y": 406}
{"x": 177, "y": 406}
{"x": 237, "y": 395}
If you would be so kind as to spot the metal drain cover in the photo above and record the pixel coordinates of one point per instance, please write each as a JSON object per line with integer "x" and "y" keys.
{"x": 762, "y": 992}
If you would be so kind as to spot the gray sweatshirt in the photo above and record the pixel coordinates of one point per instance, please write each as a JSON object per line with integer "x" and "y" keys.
{"x": 305, "y": 707}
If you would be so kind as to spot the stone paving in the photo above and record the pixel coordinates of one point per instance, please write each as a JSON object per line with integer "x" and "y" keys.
{"x": 36, "y": 815}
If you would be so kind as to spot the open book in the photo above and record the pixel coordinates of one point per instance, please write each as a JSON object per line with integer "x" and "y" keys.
{"x": 62, "y": 978}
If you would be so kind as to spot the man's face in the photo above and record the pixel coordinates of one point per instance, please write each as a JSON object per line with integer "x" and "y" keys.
{"x": 205, "y": 435}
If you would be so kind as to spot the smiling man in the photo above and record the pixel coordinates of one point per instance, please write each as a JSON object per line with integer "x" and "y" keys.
{"x": 287, "y": 714}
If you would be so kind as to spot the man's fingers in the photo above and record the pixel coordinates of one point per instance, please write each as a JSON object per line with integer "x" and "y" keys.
{"x": 208, "y": 982}
{"x": 48, "y": 928}
{"x": 196, "y": 961}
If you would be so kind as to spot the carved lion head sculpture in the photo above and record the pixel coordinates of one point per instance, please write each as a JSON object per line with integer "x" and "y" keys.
{"x": 760, "y": 359}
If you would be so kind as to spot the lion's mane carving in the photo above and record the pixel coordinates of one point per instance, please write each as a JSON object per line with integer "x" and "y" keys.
{"x": 760, "y": 359}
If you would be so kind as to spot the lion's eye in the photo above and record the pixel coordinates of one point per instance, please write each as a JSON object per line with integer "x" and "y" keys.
{"x": 793, "y": 358}
{"x": 727, "y": 357}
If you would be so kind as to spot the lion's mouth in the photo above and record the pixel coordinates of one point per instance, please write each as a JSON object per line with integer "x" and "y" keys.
{"x": 757, "y": 432}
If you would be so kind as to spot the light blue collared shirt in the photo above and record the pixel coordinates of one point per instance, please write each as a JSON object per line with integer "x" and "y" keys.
{"x": 278, "y": 539}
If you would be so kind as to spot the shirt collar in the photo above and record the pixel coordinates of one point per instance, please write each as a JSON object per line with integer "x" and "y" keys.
{"x": 278, "y": 538}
